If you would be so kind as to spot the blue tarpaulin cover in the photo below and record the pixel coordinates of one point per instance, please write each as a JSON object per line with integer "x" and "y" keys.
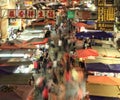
{"x": 96, "y": 34}
{"x": 101, "y": 67}
{"x": 7, "y": 69}
{"x": 103, "y": 98}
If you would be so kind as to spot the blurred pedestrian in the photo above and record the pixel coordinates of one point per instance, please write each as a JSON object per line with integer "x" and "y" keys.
{"x": 67, "y": 76}
{"x": 35, "y": 63}
{"x": 56, "y": 55}
{"x": 44, "y": 66}
{"x": 55, "y": 64}
{"x": 46, "y": 47}
{"x": 55, "y": 79}
{"x": 32, "y": 80}
{"x": 45, "y": 93}
{"x": 60, "y": 44}
{"x": 61, "y": 73}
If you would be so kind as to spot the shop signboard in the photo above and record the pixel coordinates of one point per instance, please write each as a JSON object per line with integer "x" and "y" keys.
{"x": 106, "y": 2}
{"x": 11, "y": 13}
{"x": 50, "y": 14}
{"x": 31, "y": 14}
{"x": 108, "y": 26}
{"x": 40, "y": 14}
{"x": 86, "y": 15}
{"x": 71, "y": 14}
{"x": 21, "y": 14}
{"x": 106, "y": 13}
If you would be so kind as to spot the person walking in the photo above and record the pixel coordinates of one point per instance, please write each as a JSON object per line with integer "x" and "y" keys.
{"x": 55, "y": 79}
{"x": 55, "y": 64}
{"x": 45, "y": 93}
{"x": 35, "y": 63}
{"x": 60, "y": 44}
{"x": 44, "y": 65}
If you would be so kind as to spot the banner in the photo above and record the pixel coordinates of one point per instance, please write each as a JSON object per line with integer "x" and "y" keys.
{"x": 31, "y": 14}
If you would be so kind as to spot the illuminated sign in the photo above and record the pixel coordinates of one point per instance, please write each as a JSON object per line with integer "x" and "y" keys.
{"x": 105, "y": 26}
{"x": 101, "y": 2}
{"x": 109, "y": 1}
{"x": 106, "y": 13}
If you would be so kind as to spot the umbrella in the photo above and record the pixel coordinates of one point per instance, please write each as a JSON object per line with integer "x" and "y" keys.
{"x": 86, "y": 53}
{"x": 105, "y": 80}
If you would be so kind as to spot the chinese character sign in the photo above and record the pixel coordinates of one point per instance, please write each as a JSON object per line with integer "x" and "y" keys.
{"x": 40, "y": 14}
{"x": 21, "y": 13}
{"x": 12, "y": 13}
{"x": 30, "y": 14}
{"x": 50, "y": 14}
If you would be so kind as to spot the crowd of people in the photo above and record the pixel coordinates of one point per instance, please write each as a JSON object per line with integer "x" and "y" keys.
{"x": 62, "y": 71}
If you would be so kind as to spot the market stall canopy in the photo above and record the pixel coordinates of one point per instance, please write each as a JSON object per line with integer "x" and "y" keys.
{"x": 7, "y": 69}
{"x": 100, "y": 67}
{"x": 103, "y": 98}
{"x": 96, "y": 34}
{"x": 79, "y": 24}
{"x": 42, "y": 42}
{"x": 104, "y": 60}
{"x": 105, "y": 51}
{"x": 85, "y": 53}
{"x": 103, "y": 80}
{"x": 103, "y": 65}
